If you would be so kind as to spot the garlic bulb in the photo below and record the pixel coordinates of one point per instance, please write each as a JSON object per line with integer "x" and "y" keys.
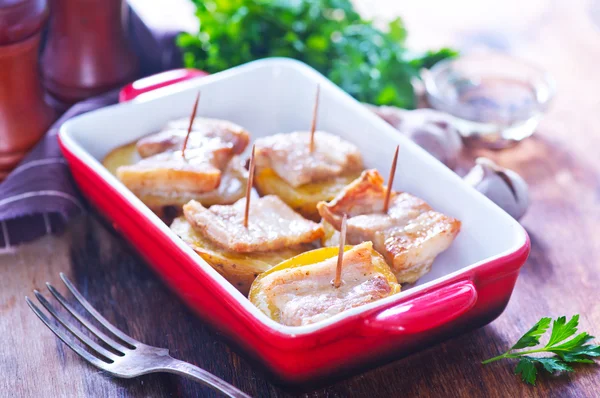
{"x": 504, "y": 187}
{"x": 430, "y": 129}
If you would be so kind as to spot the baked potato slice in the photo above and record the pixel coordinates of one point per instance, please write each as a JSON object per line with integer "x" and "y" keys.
{"x": 304, "y": 198}
{"x": 240, "y": 269}
{"x": 121, "y": 156}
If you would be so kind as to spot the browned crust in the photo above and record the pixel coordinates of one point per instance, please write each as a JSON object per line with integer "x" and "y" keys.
{"x": 396, "y": 248}
{"x": 368, "y": 186}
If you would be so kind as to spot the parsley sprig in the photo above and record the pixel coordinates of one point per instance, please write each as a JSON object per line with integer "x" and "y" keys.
{"x": 575, "y": 350}
{"x": 371, "y": 63}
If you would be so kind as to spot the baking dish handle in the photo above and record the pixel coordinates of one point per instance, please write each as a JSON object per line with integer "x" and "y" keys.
{"x": 156, "y": 81}
{"x": 425, "y": 312}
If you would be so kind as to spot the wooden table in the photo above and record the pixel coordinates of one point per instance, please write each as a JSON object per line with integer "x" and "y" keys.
{"x": 562, "y": 165}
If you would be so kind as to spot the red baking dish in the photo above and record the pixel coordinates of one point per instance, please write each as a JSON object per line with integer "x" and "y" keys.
{"x": 469, "y": 285}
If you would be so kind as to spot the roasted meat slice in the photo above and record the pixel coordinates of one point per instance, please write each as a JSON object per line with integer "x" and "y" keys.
{"x": 198, "y": 172}
{"x": 413, "y": 246}
{"x": 273, "y": 225}
{"x": 232, "y": 188}
{"x": 410, "y": 235}
{"x": 163, "y": 176}
{"x": 300, "y": 292}
{"x": 289, "y": 156}
{"x": 212, "y": 132}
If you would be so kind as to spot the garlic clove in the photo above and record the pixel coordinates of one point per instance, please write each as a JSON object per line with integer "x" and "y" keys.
{"x": 439, "y": 139}
{"x": 430, "y": 129}
{"x": 504, "y": 187}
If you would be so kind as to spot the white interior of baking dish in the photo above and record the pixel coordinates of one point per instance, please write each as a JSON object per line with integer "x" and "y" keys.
{"x": 276, "y": 95}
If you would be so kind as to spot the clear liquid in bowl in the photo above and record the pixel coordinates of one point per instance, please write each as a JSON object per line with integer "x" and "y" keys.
{"x": 497, "y": 111}
{"x": 495, "y": 102}
{"x": 498, "y": 100}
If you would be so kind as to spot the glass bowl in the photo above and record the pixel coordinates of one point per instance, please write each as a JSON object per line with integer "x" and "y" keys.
{"x": 496, "y": 100}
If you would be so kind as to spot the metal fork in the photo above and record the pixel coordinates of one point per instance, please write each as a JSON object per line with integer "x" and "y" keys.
{"x": 129, "y": 358}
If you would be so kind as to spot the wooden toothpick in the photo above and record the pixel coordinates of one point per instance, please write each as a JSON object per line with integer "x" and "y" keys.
{"x": 187, "y": 136}
{"x": 313, "y": 124}
{"x": 249, "y": 187}
{"x": 337, "y": 282}
{"x": 388, "y": 192}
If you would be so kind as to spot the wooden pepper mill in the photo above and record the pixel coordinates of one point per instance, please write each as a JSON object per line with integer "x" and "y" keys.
{"x": 24, "y": 115}
{"x": 87, "y": 50}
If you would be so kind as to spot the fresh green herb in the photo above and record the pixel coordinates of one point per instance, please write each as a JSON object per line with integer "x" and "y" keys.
{"x": 370, "y": 64}
{"x": 565, "y": 351}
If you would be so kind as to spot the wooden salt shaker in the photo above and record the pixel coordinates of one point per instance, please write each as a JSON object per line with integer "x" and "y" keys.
{"x": 24, "y": 115}
{"x": 87, "y": 50}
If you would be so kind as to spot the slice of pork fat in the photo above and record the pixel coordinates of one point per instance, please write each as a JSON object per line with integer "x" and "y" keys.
{"x": 274, "y": 225}
{"x": 170, "y": 172}
{"x": 204, "y": 130}
{"x": 165, "y": 172}
{"x": 304, "y": 295}
{"x": 410, "y": 235}
{"x": 289, "y": 155}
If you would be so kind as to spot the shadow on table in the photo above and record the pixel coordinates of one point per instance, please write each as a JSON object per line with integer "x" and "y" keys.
{"x": 539, "y": 264}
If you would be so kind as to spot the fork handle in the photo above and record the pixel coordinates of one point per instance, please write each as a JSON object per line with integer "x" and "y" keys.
{"x": 195, "y": 373}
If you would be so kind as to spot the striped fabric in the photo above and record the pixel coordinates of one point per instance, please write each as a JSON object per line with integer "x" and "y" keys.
{"x": 39, "y": 196}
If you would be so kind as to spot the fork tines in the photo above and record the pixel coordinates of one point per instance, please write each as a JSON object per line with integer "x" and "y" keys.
{"x": 97, "y": 355}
